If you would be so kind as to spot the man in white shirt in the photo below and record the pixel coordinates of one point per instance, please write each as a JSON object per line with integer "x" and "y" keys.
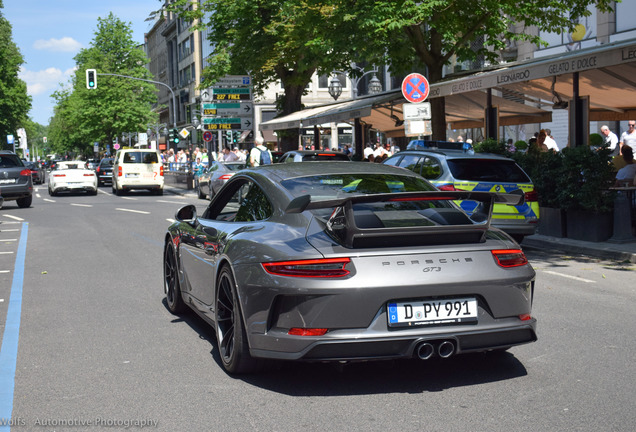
{"x": 610, "y": 139}
{"x": 629, "y": 136}
{"x": 550, "y": 142}
{"x": 255, "y": 153}
{"x": 228, "y": 156}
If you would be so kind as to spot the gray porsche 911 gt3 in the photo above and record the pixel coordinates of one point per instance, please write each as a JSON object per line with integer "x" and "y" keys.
{"x": 347, "y": 261}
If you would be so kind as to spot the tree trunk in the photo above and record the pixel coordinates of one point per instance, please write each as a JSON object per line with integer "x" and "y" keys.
{"x": 438, "y": 105}
{"x": 291, "y": 102}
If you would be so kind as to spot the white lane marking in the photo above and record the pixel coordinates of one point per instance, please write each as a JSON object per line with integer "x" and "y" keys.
{"x": 37, "y": 195}
{"x": 5, "y": 271}
{"x": 8, "y": 240}
{"x": 170, "y": 202}
{"x": 13, "y": 217}
{"x": 170, "y": 220}
{"x": 81, "y": 205}
{"x": 133, "y": 211}
{"x": 5, "y": 253}
{"x": 48, "y": 200}
{"x": 129, "y": 198}
{"x": 9, "y": 230}
{"x": 568, "y": 276}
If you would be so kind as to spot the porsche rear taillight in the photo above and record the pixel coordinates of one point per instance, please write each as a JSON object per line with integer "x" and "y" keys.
{"x": 509, "y": 257}
{"x": 89, "y": 175}
{"x": 318, "y": 268}
{"x": 59, "y": 175}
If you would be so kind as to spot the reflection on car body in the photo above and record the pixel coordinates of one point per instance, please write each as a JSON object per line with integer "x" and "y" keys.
{"x": 209, "y": 183}
{"x": 347, "y": 262}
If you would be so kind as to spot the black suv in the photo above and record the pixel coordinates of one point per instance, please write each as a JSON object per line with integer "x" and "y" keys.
{"x": 15, "y": 180}
{"x": 105, "y": 171}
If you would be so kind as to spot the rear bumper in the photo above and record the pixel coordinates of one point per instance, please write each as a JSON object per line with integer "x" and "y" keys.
{"x": 396, "y": 346}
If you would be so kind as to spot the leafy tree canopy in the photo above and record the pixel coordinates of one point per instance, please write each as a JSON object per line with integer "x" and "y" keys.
{"x": 15, "y": 103}
{"x": 117, "y": 105}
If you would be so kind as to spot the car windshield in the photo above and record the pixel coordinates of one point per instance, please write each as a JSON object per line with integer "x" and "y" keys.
{"x": 235, "y": 166}
{"x": 491, "y": 170}
{"x": 140, "y": 157}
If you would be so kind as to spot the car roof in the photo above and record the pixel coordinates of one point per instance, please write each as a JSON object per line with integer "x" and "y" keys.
{"x": 453, "y": 154}
{"x": 292, "y": 170}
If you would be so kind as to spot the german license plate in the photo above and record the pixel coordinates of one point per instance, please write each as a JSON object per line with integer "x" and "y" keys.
{"x": 432, "y": 312}
{"x": 132, "y": 175}
{"x": 7, "y": 181}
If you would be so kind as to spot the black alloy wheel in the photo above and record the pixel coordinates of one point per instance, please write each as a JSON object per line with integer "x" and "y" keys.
{"x": 171, "y": 281}
{"x": 230, "y": 334}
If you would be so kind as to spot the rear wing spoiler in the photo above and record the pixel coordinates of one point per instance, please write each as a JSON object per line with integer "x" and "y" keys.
{"x": 342, "y": 222}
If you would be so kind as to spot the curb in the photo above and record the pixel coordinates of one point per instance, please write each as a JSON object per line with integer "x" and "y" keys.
{"x": 604, "y": 250}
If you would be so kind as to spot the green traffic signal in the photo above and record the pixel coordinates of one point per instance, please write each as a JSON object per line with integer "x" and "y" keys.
{"x": 175, "y": 136}
{"x": 91, "y": 79}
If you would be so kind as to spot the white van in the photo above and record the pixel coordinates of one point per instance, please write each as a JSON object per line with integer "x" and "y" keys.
{"x": 137, "y": 169}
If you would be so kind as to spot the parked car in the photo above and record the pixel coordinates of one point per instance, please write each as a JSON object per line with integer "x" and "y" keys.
{"x": 104, "y": 171}
{"x": 347, "y": 262}
{"x": 37, "y": 172}
{"x": 216, "y": 176}
{"x": 72, "y": 176}
{"x": 137, "y": 169}
{"x": 92, "y": 164}
{"x": 452, "y": 169}
{"x": 312, "y": 156}
{"x": 16, "y": 183}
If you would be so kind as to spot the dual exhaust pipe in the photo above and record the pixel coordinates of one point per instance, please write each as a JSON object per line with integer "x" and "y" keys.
{"x": 426, "y": 350}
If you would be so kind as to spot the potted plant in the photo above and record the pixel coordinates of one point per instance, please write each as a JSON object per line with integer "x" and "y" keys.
{"x": 583, "y": 192}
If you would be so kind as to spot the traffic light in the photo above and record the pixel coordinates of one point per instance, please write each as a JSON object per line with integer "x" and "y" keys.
{"x": 174, "y": 136}
{"x": 91, "y": 79}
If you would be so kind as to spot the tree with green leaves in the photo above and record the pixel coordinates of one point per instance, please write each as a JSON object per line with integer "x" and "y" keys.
{"x": 432, "y": 32}
{"x": 15, "y": 103}
{"x": 273, "y": 40}
{"x": 83, "y": 116}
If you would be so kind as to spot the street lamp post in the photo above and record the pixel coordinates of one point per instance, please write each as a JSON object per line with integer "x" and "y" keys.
{"x": 335, "y": 86}
{"x": 374, "y": 87}
{"x": 156, "y": 128}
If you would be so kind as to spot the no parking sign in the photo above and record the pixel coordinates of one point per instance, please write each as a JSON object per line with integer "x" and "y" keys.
{"x": 415, "y": 88}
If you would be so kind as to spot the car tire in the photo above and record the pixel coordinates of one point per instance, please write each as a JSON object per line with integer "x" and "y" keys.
{"x": 159, "y": 192}
{"x": 25, "y": 202}
{"x": 119, "y": 192}
{"x": 230, "y": 331}
{"x": 171, "y": 286}
{"x": 200, "y": 193}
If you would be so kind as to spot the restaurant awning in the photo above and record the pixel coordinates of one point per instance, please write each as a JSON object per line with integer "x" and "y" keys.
{"x": 529, "y": 89}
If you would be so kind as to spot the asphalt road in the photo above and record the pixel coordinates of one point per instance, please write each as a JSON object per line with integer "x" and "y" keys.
{"x": 98, "y": 349}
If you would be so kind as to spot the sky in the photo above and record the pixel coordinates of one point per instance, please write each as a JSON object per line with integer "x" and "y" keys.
{"x": 49, "y": 33}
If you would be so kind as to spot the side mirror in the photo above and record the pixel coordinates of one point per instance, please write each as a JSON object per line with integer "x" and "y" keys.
{"x": 187, "y": 214}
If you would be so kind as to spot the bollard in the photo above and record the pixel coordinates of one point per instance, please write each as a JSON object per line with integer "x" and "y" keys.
{"x": 622, "y": 218}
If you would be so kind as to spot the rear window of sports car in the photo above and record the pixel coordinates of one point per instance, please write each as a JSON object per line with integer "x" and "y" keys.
{"x": 487, "y": 170}
{"x": 330, "y": 186}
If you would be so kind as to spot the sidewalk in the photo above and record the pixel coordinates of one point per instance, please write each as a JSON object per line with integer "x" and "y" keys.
{"x": 606, "y": 249}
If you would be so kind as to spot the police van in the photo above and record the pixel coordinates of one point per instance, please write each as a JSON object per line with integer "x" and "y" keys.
{"x": 454, "y": 166}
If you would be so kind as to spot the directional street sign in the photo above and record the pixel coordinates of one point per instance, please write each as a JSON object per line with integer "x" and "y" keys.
{"x": 233, "y": 81}
{"x": 231, "y": 123}
{"x": 420, "y": 111}
{"x": 244, "y": 109}
{"x": 415, "y": 88}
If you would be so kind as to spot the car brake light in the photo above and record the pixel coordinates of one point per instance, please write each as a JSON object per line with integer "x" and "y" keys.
{"x": 119, "y": 173}
{"x": 59, "y": 175}
{"x": 525, "y": 317}
{"x": 326, "y": 154}
{"x": 532, "y": 196}
{"x": 318, "y": 268}
{"x": 510, "y": 257}
{"x": 25, "y": 172}
{"x": 161, "y": 171}
{"x": 449, "y": 187}
{"x": 297, "y": 331}
{"x": 225, "y": 176}
{"x": 97, "y": 170}
{"x": 89, "y": 175}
